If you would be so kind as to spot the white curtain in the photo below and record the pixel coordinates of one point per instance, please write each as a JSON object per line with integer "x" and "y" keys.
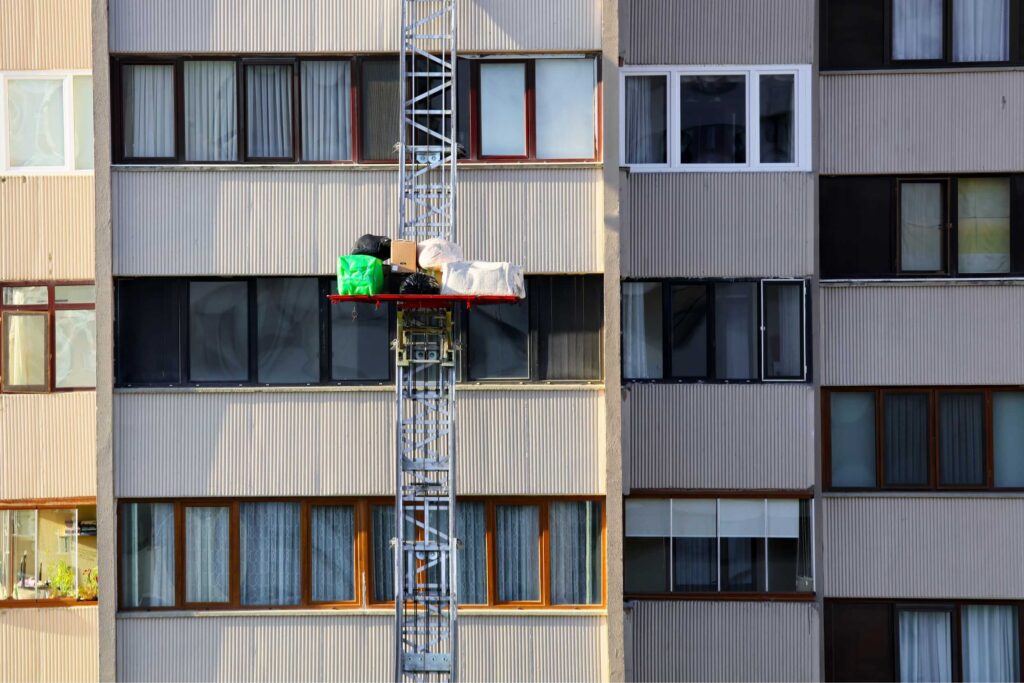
{"x": 36, "y": 123}
{"x": 962, "y": 439}
{"x": 981, "y": 30}
{"x": 735, "y": 328}
{"x": 211, "y": 122}
{"x": 471, "y": 530}
{"x": 268, "y": 95}
{"x": 645, "y": 125}
{"x": 326, "y": 120}
{"x": 983, "y": 225}
{"x": 518, "y": 552}
{"x": 917, "y": 29}
{"x": 25, "y": 347}
{"x": 332, "y": 531}
{"x": 991, "y": 647}
{"x": 270, "y": 553}
{"x": 147, "y": 559}
{"x": 566, "y": 99}
{"x": 503, "y": 109}
{"x": 383, "y": 530}
{"x": 575, "y": 552}
{"x": 921, "y": 226}
{"x": 1008, "y": 437}
{"x": 783, "y": 330}
{"x": 75, "y": 342}
{"x": 642, "y": 330}
{"x": 206, "y": 554}
{"x": 925, "y": 651}
{"x": 148, "y": 110}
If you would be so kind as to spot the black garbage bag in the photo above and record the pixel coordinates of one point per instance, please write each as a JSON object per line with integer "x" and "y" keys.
{"x": 419, "y": 283}
{"x": 373, "y": 245}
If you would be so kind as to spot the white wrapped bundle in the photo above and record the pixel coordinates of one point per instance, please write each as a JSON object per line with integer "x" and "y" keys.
{"x": 436, "y": 252}
{"x": 483, "y": 278}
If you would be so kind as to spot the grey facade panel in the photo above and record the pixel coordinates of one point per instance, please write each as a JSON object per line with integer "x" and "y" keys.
{"x": 724, "y": 641}
{"x": 905, "y": 546}
{"x": 719, "y": 32}
{"x": 930, "y": 122}
{"x": 49, "y": 645}
{"x": 922, "y": 333}
{"x": 715, "y": 436}
{"x": 718, "y": 224}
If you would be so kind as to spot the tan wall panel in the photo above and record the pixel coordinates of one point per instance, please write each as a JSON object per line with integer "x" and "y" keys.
{"x": 350, "y": 648}
{"x": 937, "y": 333}
{"x": 341, "y": 443}
{"x": 45, "y": 34}
{"x": 47, "y": 445}
{"x": 342, "y": 25}
{"x": 297, "y": 222}
{"x": 718, "y": 224}
{"x": 48, "y": 228}
{"x": 922, "y": 546}
{"x": 922, "y": 122}
{"x": 724, "y": 641}
{"x": 49, "y": 645}
{"x": 719, "y": 436}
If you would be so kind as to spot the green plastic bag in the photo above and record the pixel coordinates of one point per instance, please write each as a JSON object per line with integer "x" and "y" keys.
{"x": 360, "y": 274}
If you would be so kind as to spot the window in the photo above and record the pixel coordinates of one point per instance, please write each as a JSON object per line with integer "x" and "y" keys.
{"x": 692, "y": 118}
{"x": 47, "y": 337}
{"x": 727, "y": 545}
{"x": 147, "y": 555}
{"x": 45, "y": 122}
{"x": 714, "y": 330}
{"x": 923, "y": 438}
{"x": 210, "y": 103}
{"x": 48, "y": 555}
{"x": 268, "y": 110}
{"x": 922, "y": 641}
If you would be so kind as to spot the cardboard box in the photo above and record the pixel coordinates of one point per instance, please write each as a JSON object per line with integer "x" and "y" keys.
{"x": 403, "y": 255}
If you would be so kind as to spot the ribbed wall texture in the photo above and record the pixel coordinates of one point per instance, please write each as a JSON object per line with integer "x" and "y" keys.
{"x": 922, "y": 547}
{"x": 897, "y": 334}
{"x": 342, "y": 25}
{"x": 341, "y": 443}
{"x": 47, "y": 445}
{"x": 922, "y": 122}
{"x": 47, "y": 227}
{"x": 718, "y": 436}
{"x": 45, "y": 34}
{"x": 718, "y": 224}
{"x": 718, "y": 31}
{"x": 350, "y": 648}
{"x": 49, "y": 645}
{"x": 297, "y": 222}
{"x": 724, "y": 641}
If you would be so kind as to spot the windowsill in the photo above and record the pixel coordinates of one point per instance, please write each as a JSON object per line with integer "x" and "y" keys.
{"x": 386, "y": 388}
{"x": 57, "y": 603}
{"x": 721, "y": 597}
{"x": 11, "y": 174}
{"x": 946, "y": 493}
{"x": 714, "y": 169}
{"x": 355, "y": 612}
{"x": 942, "y": 69}
{"x": 346, "y": 167}
{"x": 1000, "y": 281}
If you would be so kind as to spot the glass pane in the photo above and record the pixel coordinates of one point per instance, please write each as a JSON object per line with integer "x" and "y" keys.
{"x": 26, "y": 296}
{"x": 288, "y": 330}
{"x": 147, "y": 555}
{"x": 642, "y": 331}
{"x": 983, "y": 225}
{"x": 1008, "y": 437}
{"x": 503, "y": 109}
{"x": 380, "y": 95}
{"x": 326, "y": 120}
{"x": 695, "y": 518}
{"x": 646, "y": 128}
{"x": 739, "y": 518}
{"x": 648, "y": 517}
{"x": 852, "y": 435}
{"x": 25, "y": 351}
{"x": 148, "y": 331}
{"x": 88, "y": 554}
{"x": 921, "y": 234}
{"x": 789, "y": 546}
{"x": 736, "y": 330}
{"x": 24, "y": 548}
{"x": 75, "y": 339}
{"x": 499, "y": 339}
{"x": 575, "y": 553}
{"x": 6, "y": 520}
{"x": 268, "y": 98}
{"x": 925, "y": 646}
{"x": 207, "y": 542}
{"x": 695, "y": 564}
{"x": 381, "y": 532}
{"x": 981, "y": 30}
{"x": 962, "y": 439}
{"x": 74, "y": 294}
{"x": 783, "y": 518}
{"x": 57, "y": 550}
{"x": 743, "y": 564}
{"x": 783, "y": 330}
{"x": 270, "y": 549}
{"x": 778, "y": 102}
{"x": 713, "y": 123}
{"x": 567, "y": 315}
{"x": 645, "y": 565}
{"x": 211, "y": 122}
{"x": 906, "y": 439}
{"x": 990, "y": 642}
{"x": 917, "y": 29}
{"x": 517, "y": 545}
{"x": 359, "y": 341}
{"x": 35, "y": 110}
{"x": 218, "y": 331}
{"x": 148, "y": 110}
{"x": 689, "y": 333}
{"x": 82, "y": 97}
{"x": 471, "y": 530}
{"x": 332, "y": 538}
{"x": 566, "y": 92}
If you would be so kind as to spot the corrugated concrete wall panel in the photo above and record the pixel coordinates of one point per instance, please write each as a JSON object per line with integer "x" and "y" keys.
{"x": 931, "y": 122}
{"x": 49, "y": 645}
{"x": 694, "y": 32}
{"x": 45, "y": 34}
{"x": 935, "y": 333}
{"x": 343, "y": 647}
{"x": 922, "y": 547}
{"x": 718, "y": 224}
{"x": 342, "y": 26}
{"x": 341, "y": 443}
{"x": 297, "y": 222}
{"x": 47, "y": 228}
{"x": 47, "y": 445}
{"x": 725, "y": 641}
{"x": 718, "y": 436}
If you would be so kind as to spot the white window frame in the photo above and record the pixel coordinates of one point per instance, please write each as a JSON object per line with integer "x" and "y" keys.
{"x": 802, "y": 119}
{"x": 803, "y": 329}
{"x": 67, "y": 78}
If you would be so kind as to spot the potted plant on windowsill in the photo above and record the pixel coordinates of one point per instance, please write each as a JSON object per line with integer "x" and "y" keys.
{"x": 62, "y": 580}
{"x": 89, "y": 586}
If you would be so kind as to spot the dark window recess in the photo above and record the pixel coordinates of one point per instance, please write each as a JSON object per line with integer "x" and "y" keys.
{"x": 713, "y": 119}
{"x": 853, "y": 34}
{"x": 379, "y": 113}
{"x": 646, "y": 566}
{"x": 857, "y": 215}
{"x": 859, "y": 642}
{"x": 149, "y": 330}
